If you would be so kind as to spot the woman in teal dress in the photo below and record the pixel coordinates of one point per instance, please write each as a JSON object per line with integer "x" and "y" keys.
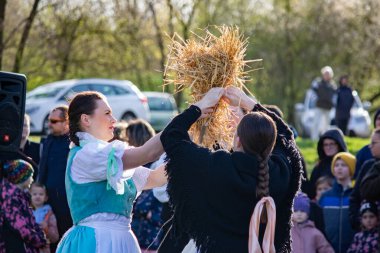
{"x": 103, "y": 179}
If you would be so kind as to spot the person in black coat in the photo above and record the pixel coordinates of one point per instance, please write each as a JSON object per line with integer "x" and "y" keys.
{"x": 214, "y": 193}
{"x": 52, "y": 167}
{"x": 344, "y": 102}
{"x": 329, "y": 144}
{"x": 356, "y": 197}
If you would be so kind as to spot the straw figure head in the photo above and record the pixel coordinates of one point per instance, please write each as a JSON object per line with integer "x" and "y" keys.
{"x": 202, "y": 63}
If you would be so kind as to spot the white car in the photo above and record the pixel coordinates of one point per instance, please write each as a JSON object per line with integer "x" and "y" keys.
{"x": 126, "y": 100}
{"x": 163, "y": 108}
{"x": 359, "y": 124}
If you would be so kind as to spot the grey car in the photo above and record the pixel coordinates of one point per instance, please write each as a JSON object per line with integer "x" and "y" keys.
{"x": 162, "y": 108}
{"x": 359, "y": 124}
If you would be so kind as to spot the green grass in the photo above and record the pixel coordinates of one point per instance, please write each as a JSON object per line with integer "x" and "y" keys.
{"x": 35, "y": 138}
{"x": 309, "y": 149}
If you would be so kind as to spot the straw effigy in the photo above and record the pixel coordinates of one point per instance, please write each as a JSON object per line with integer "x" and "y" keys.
{"x": 202, "y": 63}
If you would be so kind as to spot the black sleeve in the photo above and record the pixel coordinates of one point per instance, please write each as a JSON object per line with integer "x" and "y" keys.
{"x": 356, "y": 197}
{"x": 176, "y": 140}
{"x": 369, "y": 187}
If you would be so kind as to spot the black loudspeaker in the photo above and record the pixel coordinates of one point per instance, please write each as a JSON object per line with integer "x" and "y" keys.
{"x": 12, "y": 110}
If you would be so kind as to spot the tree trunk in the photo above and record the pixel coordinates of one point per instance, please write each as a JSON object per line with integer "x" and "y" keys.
{"x": 159, "y": 38}
{"x": 3, "y": 4}
{"x": 66, "y": 58}
{"x": 24, "y": 37}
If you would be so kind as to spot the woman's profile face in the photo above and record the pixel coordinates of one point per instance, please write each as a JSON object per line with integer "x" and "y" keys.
{"x": 102, "y": 123}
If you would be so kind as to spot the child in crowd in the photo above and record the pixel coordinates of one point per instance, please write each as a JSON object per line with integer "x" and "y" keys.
{"x": 16, "y": 211}
{"x": 322, "y": 185}
{"x": 366, "y": 241}
{"x": 335, "y": 203}
{"x": 305, "y": 237}
{"x": 44, "y": 214}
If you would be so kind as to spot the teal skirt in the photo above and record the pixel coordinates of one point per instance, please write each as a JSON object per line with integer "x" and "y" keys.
{"x": 78, "y": 239}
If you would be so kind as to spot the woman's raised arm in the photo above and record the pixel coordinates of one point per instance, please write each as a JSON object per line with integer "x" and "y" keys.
{"x": 147, "y": 153}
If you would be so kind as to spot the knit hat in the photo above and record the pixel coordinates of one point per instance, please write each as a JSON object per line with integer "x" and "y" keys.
{"x": 17, "y": 171}
{"x": 349, "y": 159}
{"x": 368, "y": 206}
{"x": 302, "y": 203}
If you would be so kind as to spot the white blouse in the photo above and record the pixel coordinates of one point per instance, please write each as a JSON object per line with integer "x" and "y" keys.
{"x": 98, "y": 158}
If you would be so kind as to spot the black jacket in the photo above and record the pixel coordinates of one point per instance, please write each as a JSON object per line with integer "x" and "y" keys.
{"x": 325, "y": 92}
{"x": 369, "y": 187}
{"x": 344, "y": 102}
{"x": 356, "y": 197}
{"x": 214, "y": 193}
{"x": 323, "y": 167}
{"x": 47, "y": 154}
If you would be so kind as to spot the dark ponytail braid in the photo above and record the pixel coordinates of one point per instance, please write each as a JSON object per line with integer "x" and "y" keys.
{"x": 82, "y": 103}
{"x": 286, "y": 143}
{"x": 257, "y": 133}
{"x": 262, "y": 189}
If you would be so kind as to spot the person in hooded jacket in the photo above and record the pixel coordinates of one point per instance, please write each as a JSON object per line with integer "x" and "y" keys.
{"x": 329, "y": 144}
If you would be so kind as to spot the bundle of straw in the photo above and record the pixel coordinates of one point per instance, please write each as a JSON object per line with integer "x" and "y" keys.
{"x": 202, "y": 63}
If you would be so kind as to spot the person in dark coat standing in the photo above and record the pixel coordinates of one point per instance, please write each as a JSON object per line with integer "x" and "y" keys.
{"x": 356, "y": 197}
{"x": 53, "y": 166}
{"x": 344, "y": 102}
{"x": 214, "y": 193}
{"x": 330, "y": 143}
{"x": 325, "y": 91}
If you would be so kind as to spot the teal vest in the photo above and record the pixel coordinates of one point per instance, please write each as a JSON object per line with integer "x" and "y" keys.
{"x": 96, "y": 197}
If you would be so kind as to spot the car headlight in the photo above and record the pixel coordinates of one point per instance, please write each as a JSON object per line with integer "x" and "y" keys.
{"x": 32, "y": 109}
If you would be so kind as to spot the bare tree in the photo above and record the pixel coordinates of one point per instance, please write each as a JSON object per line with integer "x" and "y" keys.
{"x": 3, "y": 4}
{"x": 159, "y": 36}
{"x": 24, "y": 37}
{"x": 185, "y": 20}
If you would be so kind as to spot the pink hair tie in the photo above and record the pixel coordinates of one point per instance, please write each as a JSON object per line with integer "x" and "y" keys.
{"x": 268, "y": 241}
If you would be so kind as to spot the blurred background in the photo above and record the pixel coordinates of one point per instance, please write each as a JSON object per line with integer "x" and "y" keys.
{"x": 51, "y": 40}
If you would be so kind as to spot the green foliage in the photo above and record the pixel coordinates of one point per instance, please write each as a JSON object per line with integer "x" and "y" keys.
{"x": 119, "y": 39}
{"x": 309, "y": 149}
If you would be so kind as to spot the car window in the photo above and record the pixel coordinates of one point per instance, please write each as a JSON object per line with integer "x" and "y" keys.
{"x": 160, "y": 104}
{"x": 44, "y": 92}
{"x": 107, "y": 90}
{"x": 74, "y": 90}
{"x": 120, "y": 91}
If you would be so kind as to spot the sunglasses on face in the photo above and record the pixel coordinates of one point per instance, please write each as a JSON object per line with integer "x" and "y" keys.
{"x": 54, "y": 121}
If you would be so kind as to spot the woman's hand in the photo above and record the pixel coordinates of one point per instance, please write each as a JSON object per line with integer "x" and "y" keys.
{"x": 236, "y": 97}
{"x": 207, "y": 103}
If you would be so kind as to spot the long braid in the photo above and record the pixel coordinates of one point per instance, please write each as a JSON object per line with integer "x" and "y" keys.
{"x": 262, "y": 189}
{"x": 73, "y": 129}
